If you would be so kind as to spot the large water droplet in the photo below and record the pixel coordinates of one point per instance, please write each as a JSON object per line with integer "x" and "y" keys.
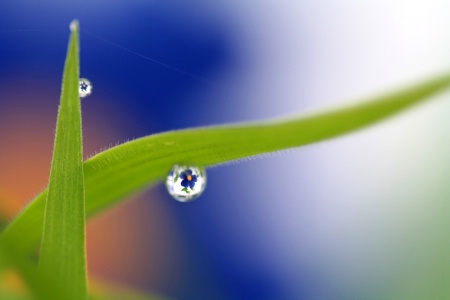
{"x": 85, "y": 87}
{"x": 186, "y": 183}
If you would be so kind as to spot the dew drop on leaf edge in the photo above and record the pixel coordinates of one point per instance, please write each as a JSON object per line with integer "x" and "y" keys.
{"x": 186, "y": 182}
{"x": 85, "y": 87}
{"x": 73, "y": 25}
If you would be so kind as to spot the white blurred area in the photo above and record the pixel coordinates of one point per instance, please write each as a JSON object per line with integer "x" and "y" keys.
{"x": 360, "y": 213}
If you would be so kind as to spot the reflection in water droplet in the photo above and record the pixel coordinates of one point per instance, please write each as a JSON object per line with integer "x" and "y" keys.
{"x": 186, "y": 183}
{"x": 85, "y": 87}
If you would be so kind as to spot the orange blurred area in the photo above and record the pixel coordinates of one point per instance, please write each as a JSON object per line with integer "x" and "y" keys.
{"x": 124, "y": 244}
{"x": 12, "y": 283}
{"x": 135, "y": 242}
{"x": 25, "y": 156}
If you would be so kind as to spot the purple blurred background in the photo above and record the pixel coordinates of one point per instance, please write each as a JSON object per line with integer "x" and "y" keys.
{"x": 360, "y": 217}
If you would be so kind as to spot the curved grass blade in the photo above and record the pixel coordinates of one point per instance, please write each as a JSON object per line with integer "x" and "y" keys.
{"x": 118, "y": 172}
{"x": 63, "y": 244}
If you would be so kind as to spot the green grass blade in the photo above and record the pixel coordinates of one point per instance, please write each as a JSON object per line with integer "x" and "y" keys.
{"x": 63, "y": 243}
{"x": 112, "y": 175}
{"x": 115, "y": 173}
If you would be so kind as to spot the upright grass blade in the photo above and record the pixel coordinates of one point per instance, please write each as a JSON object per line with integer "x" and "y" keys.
{"x": 63, "y": 245}
{"x": 116, "y": 173}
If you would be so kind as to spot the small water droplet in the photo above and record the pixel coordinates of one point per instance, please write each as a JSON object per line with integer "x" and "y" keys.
{"x": 186, "y": 183}
{"x": 74, "y": 25}
{"x": 85, "y": 87}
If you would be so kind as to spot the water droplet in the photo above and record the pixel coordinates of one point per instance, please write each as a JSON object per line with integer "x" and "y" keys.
{"x": 186, "y": 183}
{"x": 74, "y": 25}
{"x": 85, "y": 87}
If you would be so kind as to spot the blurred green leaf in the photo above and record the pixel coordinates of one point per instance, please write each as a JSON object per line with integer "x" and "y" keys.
{"x": 42, "y": 286}
{"x": 12, "y": 296}
{"x": 63, "y": 251}
{"x": 116, "y": 173}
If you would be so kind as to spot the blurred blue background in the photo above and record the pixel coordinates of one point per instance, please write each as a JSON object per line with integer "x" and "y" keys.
{"x": 361, "y": 217}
